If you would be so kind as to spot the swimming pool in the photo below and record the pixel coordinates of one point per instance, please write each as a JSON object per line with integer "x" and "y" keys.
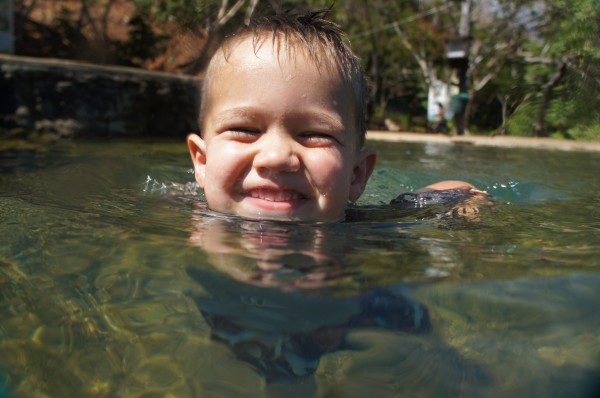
{"x": 116, "y": 281}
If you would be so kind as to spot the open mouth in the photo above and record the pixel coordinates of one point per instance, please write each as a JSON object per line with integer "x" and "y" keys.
{"x": 271, "y": 195}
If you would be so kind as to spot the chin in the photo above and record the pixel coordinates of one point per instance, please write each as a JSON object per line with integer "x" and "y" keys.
{"x": 284, "y": 217}
{"x": 300, "y": 213}
{"x": 297, "y": 217}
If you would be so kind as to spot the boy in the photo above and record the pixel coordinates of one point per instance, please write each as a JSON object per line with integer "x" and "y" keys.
{"x": 283, "y": 123}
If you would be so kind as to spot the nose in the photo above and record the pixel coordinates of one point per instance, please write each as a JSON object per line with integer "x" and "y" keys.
{"x": 277, "y": 153}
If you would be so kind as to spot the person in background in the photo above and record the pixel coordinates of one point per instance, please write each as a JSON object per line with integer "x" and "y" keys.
{"x": 441, "y": 126}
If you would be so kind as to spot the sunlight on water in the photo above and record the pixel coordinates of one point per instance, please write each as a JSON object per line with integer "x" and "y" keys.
{"x": 116, "y": 280}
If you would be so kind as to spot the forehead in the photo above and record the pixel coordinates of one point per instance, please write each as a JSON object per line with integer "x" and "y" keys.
{"x": 287, "y": 58}
{"x": 287, "y": 52}
{"x": 241, "y": 61}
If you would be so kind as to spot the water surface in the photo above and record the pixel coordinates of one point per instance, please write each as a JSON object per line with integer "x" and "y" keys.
{"x": 115, "y": 280}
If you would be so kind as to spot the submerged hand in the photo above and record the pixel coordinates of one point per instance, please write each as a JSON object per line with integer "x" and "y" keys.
{"x": 469, "y": 208}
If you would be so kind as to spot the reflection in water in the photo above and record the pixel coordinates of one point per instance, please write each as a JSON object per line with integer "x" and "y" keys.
{"x": 281, "y": 300}
{"x": 3, "y": 392}
{"x": 284, "y": 335}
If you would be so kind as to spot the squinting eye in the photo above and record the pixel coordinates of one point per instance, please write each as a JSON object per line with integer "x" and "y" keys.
{"x": 318, "y": 139}
{"x": 243, "y": 133}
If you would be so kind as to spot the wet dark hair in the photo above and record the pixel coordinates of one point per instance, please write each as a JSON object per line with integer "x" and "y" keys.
{"x": 319, "y": 38}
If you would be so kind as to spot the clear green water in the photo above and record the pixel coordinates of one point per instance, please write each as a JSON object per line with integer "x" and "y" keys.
{"x": 115, "y": 281}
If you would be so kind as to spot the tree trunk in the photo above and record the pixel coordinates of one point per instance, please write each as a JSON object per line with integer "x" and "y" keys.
{"x": 215, "y": 34}
{"x": 540, "y": 121}
{"x": 199, "y": 63}
{"x": 374, "y": 64}
{"x": 504, "y": 103}
{"x": 464, "y": 31}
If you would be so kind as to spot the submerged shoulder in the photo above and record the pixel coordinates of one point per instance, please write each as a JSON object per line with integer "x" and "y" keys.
{"x": 447, "y": 186}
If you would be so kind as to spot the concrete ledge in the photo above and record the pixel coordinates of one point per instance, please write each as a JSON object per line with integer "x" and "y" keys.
{"x": 73, "y": 98}
{"x": 496, "y": 141}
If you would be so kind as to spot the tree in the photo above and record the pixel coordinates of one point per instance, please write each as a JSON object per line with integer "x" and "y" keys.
{"x": 402, "y": 46}
{"x": 562, "y": 71}
{"x": 214, "y": 30}
{"x": 499, "y": 31}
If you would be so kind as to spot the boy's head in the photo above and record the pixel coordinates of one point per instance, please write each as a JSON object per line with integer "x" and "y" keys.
{"x": 283, "y": 122}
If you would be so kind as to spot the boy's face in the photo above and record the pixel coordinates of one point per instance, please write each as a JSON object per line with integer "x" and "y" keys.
{"x": 278, "y": 138}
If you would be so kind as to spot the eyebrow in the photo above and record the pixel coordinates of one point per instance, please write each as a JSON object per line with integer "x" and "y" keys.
{"x": 243, "y": 113}
{"x": 323, "y": 118}
{"x": 253, "y": 113}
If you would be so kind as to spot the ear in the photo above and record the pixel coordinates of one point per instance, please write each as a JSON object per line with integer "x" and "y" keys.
{"x": 197, "y": 148}
{"x": 365, "y": 162}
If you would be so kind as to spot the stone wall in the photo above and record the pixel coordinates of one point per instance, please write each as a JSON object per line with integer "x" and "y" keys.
{"x": 75, "y": 99}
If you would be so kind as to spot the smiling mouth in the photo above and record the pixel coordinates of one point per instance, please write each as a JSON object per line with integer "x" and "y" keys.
{"x": 272, "y": 195}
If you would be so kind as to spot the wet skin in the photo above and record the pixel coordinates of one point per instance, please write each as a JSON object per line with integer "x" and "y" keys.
{"x": 278, "y": 140}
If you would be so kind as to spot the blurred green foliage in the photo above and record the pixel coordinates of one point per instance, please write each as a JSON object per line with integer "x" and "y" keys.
{"x": 534, "y": 65}
{"x": 569, "y": 36}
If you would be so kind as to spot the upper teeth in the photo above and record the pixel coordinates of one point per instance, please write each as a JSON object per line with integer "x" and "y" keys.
{"x": 274, "y": 196}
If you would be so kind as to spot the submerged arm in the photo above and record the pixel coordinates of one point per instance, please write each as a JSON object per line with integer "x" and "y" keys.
{"x": 465, "y": 198}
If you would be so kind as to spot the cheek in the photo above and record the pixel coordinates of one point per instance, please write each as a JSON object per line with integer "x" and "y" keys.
{"x": 330, "y": 171}
{"x": 224, "y": 163}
